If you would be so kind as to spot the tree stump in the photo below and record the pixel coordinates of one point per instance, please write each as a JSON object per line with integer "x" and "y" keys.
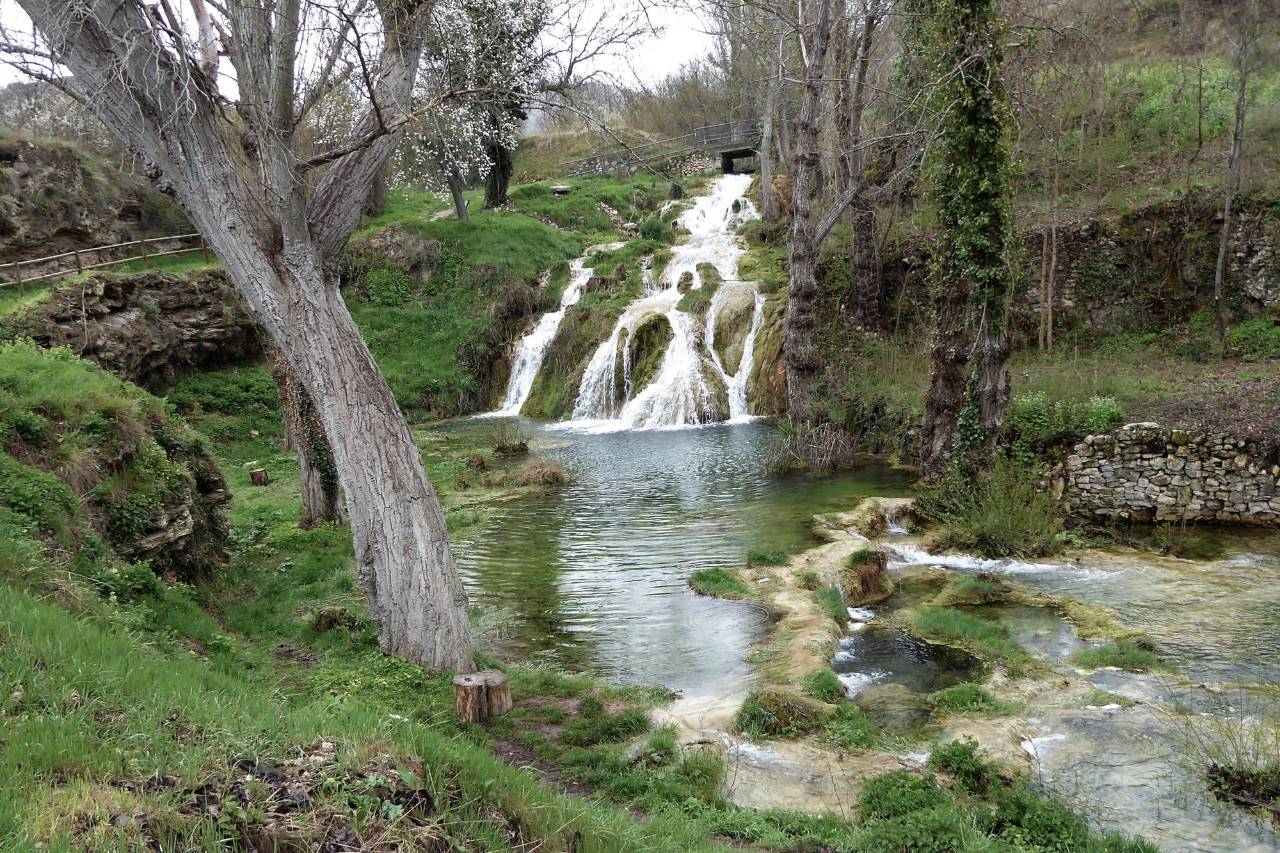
{"x": 258, "y": 476}
{"x": 481, "y": 695}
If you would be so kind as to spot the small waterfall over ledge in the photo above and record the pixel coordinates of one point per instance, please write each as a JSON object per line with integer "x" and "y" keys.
{"x": 532, "y": 348}
{"x": 692, "y": 385}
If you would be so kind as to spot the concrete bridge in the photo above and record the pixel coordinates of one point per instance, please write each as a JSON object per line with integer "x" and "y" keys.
{"x": 730, "y": 141}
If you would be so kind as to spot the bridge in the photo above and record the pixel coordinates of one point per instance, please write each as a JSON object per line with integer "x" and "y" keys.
{"x": 730, "y": 140}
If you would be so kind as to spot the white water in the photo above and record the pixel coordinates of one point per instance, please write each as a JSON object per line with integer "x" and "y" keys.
{"x": 532, "y": 348}
{"x": 687, "y": 388}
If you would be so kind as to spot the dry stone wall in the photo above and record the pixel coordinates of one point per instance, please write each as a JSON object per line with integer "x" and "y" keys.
{"x": 1144, "y": 472}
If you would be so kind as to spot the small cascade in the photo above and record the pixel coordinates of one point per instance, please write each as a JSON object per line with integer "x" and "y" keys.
{"x": 532, "y": 348}
{"x": 692, "y": 385}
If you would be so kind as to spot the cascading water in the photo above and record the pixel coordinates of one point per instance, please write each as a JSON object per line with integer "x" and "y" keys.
{"x": 532, "y": 348}
{"x": 692, "y": 385}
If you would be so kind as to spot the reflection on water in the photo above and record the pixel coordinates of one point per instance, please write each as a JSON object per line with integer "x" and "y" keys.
{"x": 593, "y": 575}
{"x": 879, "y": 655}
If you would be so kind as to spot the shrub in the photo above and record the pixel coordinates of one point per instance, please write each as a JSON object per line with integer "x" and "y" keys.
{"x": 386, "y": 286}
{"x": 773, "y": 713}
{"x": 938, "y": 830}
{"x": 655, "y": 229}
{"x": 1122, "y": 655}
{"x": 41, "y": 497}
{"x": 824, "y": 686}
{"x": 1038, "y": 422}
{"x": 719, "y": 583}
{"x": 899, "y": 793}
{"x": 1028, "y": 819}
{"x": 961, "y": 760}
{"x": 1257, "y": 337}
{"x": 1001, "y": 514}
{"x": 810, "y": 580}
{"x": 968, "y": 699}
{"x": 850, "y": 728}
{"x": 541, "y": 472}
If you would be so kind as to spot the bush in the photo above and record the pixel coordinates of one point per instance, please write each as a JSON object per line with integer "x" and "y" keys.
{"x": 773, "y": 713}
{"x": 967, "y": 699}
{"x": 38, "y": 496}
{"x": 938, "y": 830}
{"x": 1033, "y": 421}
{"x": 719, "y": 583}
{"x": 386, "y": 286}
{"x": 1257, "y": 337}
{"x": 655, "y": 229}
{"x": 1122, "y": 655}
{"x": 898, "y": 793}
{"x": 824, "y": 686}
{"x": 1001, "y": 514}
{"x": 960, "y": 759}
{"x": 850, "y": 728}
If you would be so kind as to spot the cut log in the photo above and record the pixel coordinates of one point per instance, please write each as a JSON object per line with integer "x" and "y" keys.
{"x": 498, "y": 692}
{"x": 481, "y": 695}
{"x": 471, "y": 698}
{"x": 258, "y": 476}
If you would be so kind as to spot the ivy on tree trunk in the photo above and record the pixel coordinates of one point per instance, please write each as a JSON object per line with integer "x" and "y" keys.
{"x": 969, "y": 192}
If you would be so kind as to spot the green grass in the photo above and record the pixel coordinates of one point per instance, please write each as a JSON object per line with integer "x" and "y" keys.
{"x": 633, "y": 199}
{"x": 1122, "y": 655}
{"x": 719, "y": 583}
{"x": 774, "y": 713}
{"x": 823, "y": 685}
{"x": 989, "y": 640}
{"x": 767, "y": 557}
{"x": 830, "y": 601}
{"x": 970, "y": 700}
{"x": 1001, "y": 514}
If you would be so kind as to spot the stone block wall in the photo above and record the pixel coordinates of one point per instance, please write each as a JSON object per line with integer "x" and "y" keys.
{"x": 1143, "y": 472}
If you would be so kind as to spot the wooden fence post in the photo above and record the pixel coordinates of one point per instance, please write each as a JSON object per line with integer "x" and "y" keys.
{"x": 145, "y": 254}
{"x": 79, "y": 266}
{"x": 17, "y": 274}
{"x": 204, "y": 249}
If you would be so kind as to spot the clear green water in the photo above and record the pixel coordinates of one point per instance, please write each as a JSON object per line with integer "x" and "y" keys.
{"x": 593, "y": 576}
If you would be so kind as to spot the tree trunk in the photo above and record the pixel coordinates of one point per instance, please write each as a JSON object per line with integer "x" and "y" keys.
{"x": 304, "y": 434}
{"x": 499, "y": 177}
{"x": 948, "y": 376}
{"x": 768, "y": 203}
{"x": 868, "y": 278}
{"x": 802, "y": 360}
{"x": 1233, "y": 185}
{"x": 403, "y": 559}
{"x": 377, "y": 197}
{"x": 455, "y": 189}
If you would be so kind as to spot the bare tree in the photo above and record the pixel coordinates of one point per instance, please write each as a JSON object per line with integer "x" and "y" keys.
{"x": 278, "y": 220}
{"x": 1249, "y": 30}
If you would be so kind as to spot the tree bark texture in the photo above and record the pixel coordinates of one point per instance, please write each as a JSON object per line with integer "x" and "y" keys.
{"x": 802, "y": 361}
{"x": 247, "y": 195}
{"x": 322, "y": 501}
{"x": 1233, "y": 181}
{"x": 455, "y": 189}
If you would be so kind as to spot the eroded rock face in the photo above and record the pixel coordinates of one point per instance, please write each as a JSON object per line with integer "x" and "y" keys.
{"x": 734, "y": 307}
{"x": 767, "y": 390}
{"x": 148, "y": 327}
{"x": 1143, "y": 472}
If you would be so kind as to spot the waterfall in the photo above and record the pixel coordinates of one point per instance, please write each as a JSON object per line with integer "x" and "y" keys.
{"x": 686, "y": 389}
{"x": 532, "y": 348}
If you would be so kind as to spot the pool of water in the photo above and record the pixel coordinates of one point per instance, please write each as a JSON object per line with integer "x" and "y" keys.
{"x": 593, "y": 576}
{"x": 883, "y": 655}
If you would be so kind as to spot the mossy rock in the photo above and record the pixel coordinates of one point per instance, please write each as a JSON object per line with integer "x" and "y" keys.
{"x": 895, "y": 707}
{"x": 767, "y": 386}
{"x": 648, "y": 344}
{"x": 734, "y": 312}
{"x": 864, "y": 577}
{"x": 777, "y": 713}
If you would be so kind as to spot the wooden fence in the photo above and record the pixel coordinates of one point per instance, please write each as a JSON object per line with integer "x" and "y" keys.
{"x": 29, "y": 271}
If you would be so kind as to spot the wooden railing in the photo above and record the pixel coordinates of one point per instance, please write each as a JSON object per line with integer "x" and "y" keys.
{"x": 21, "y": 273}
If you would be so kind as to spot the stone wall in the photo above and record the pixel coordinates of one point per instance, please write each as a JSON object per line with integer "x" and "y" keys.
{"x": 1143, "y": 472}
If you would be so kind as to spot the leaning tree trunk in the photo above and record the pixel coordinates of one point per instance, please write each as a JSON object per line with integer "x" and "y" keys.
{"x": 304, "y": 434}
{"x": 455, "y": 189}
{"x": 801, "y": 355}
{"x": 403, "y": 559}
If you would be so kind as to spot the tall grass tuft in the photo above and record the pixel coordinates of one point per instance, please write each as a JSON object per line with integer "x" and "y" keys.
{"x": 1001, "y": 514}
